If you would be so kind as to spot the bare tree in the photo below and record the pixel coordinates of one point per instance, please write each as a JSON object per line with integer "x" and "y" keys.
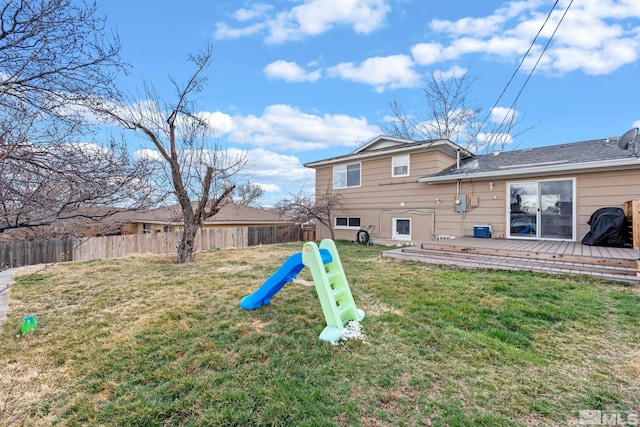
{"x": 320, "y": 208}
{"x": 449, "y": 114}
{"x": 200, "y": 172}
{"x": 247, "y": 194}
{"x": 42, "y": 183}
{"x": 57, "y": 55}
{"x": 403, "y": 125}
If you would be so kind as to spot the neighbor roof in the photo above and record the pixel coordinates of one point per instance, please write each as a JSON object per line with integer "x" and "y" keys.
{"x": 582, "y": 156}
{"x": 230, "y": 213}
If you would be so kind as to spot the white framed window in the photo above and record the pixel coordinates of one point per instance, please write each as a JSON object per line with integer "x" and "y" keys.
{"x": 346, "y": 175}
{"x": 347, "y": 222}
{"x": 401, "y": 228}
{"x": 400, "y": 166}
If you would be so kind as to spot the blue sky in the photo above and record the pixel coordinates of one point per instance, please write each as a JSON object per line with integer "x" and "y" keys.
{"x": 302, "y": 80}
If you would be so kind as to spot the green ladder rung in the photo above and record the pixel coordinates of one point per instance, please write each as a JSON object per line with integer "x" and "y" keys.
{"x": 332, "y": 275}
{"x": 332, "y": 288}
{"x": 344, "y": 311}
{"x": 337, "y": 293}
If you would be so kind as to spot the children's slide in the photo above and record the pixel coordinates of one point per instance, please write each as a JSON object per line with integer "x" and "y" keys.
{"x": 285, "y": 274}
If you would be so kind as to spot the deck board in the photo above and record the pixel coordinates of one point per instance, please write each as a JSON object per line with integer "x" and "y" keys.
{"x": 549, "y": 249}
{"x": 549, "y": 256}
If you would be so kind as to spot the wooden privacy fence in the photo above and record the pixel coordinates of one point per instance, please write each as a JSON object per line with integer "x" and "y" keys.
{"x": 273, "y": 234}
{"x": 29, "y": 252}
{"x": 156, "y": 243}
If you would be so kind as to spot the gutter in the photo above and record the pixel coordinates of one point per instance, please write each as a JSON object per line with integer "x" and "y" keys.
{"x": 541, "y": 170}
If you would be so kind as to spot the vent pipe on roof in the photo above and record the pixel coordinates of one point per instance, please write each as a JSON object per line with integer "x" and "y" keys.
{"x": 458, "y": 158}
{"x": 496, "y": 152}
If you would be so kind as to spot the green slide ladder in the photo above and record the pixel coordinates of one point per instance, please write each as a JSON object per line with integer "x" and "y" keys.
{"x": 333, "y": 289}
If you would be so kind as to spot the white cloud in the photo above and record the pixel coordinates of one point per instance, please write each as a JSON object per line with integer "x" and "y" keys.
{"x": 276, "y": 169}
{"x": 291, "y": 72}
{"x": 224, "y": 31}
{"x": 277, "y": 174}
{"x": 147, "y": 154}
{"x": 286, "y": 127}
{"x": 255, "y": 12}
{"x": 595, "y": 36}
{"x": 281, "y": 127}
{"x": 636, "y": 124}
{"x": 388, "y": 72}
{"x": 503, "y": 115}
{"x": 427, "y": 53}
{"x": 269, "y": 188}
{"x": 476, "y": 27}
{"x": 221, "y": 123}
{"x": 310, "y": 18}
{"x": 452, "y": 72}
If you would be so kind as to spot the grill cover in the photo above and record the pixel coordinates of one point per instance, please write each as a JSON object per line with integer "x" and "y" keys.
{"x": 608, "y": 228}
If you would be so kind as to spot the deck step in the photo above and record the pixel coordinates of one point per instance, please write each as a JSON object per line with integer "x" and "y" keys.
{"x": 466, "y": 259}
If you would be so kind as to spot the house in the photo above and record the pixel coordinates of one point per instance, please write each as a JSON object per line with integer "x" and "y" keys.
{"x": 110, "y": 221}
{"x": 404, "y": 191}
{"x": 169, "y": 218}
{"x": 96, "y": 221}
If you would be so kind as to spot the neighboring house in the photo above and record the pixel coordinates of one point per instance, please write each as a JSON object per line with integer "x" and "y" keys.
{"x": 164, "y": 219}
{"x": 169, "y": 218}
{"x": 405, "y": 191}
{"x": 117, "y": 221}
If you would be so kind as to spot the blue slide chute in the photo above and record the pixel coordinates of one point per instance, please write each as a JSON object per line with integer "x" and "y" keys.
{"x": 285, "y": 274}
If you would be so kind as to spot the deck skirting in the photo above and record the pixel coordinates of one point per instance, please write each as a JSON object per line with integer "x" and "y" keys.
{"x": 558, "y": 257}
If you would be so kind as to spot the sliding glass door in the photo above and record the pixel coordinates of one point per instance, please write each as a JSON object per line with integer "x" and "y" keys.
{"x": 542, "y": 209}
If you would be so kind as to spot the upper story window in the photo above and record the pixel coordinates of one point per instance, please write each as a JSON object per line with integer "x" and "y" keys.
{"x": 346, "y": 175}
{"x": 400, "y": 166}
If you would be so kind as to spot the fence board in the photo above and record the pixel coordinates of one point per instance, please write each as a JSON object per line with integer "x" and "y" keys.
{"x": 29, "y": 252}
{"x": 274, "y": 234}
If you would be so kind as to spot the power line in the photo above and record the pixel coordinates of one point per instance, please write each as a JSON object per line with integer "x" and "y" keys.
{"x": 523, "y": 59}
{"x": 539, "y": 57}
{"x": 522, "y": 62}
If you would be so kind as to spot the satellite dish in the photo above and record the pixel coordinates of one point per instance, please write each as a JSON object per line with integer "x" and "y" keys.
{"x": 627, "y": 138}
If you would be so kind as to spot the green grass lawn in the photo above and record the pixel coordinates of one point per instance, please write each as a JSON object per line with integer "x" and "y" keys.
{"x": 143, "y": 341}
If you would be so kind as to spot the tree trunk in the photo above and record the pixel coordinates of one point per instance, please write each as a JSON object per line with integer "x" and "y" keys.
{"x": 186, "y": 244}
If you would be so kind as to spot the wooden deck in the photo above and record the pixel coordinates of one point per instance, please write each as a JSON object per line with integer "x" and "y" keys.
{"x": 558, "y": 257}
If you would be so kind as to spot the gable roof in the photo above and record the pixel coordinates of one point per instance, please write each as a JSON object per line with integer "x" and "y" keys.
{"x": 381, "y": 142}
{"x": 382, "y": 146}
{"x": 584, "y": 156}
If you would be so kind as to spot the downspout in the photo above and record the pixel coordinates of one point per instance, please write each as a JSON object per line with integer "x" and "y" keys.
{"x": 458, "y": 182}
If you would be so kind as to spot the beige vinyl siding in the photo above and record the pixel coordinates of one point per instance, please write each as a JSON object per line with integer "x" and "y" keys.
{"x": 593, "y": 191}
{"x": 604, "y": 189}
{"x": 381, "y": 198}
